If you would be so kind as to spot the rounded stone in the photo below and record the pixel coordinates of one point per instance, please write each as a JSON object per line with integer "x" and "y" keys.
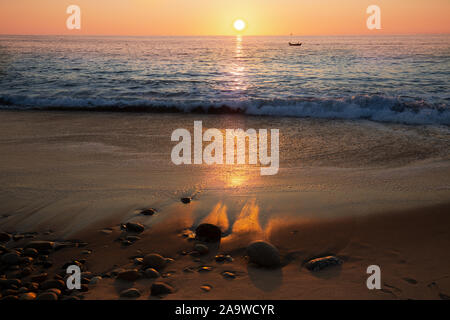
{"x": 154, "y": 260}
{"x": 130, "y": 293}
{"x": 4, "y": 237}
{"x": 134, "y": 227}
{"x": 151, "y": 273}
{"x": 208, "y": 233}
{"x": 51, "y": 296}
{"x": 159, "y": 288}
{"x": 263, "y": 254}
{"x": 129, "y": 275}
{"x": 10, "y": 258}
{"x": 28, "y": 296}
{"x": 201, "y": 248}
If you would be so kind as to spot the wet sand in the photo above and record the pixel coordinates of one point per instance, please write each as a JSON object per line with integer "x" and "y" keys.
{"x": 366, "y": 192}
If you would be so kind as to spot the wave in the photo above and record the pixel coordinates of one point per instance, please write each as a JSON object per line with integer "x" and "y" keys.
{"x": 375, "y": 107}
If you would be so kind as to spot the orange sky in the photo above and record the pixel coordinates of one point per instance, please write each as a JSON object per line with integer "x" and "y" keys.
{"x": 214, "y": 17}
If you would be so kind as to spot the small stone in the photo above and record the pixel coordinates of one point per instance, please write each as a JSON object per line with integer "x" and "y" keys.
{"x": 129, "y": 275}
{"x": 39, "y": 278}
{"x": 26, "y": 272}
{"x": 134, "y": 227}
{"x": 321, "y": 263}
{"x": 10, "y": 283}
{"x": 206, "y": 288}
{"x": 155, "y": 261}
{"x": 28, "y": 296}
{"x": 152, "y": 273}
{"x": 30, "y": 252}
{"x": 11, "y": 258}
{"x": 95, "y": 280}
{"x": 4, "y": 237}
{"x": 10, "y": 298}
{"x": 106, "y": 231}
{"x": 186, "y": 200}
{"x": 138, "y": 261}
{"x": 127, "y": 243}
{"x": 50, "y": 284}
{"x": 132, "y": 238}
{"x": 263, "y": 254}
{"x": 208, "y": 233}
{"x": 86, "y": 252}
{"x": 188, "y": 269}
{"x": 204, "y": 269}
{"x": 148, "y": 212}
{"x": 130, "y": 293}
{"x": 18, "y": 237}
{"x": 55, "y": 291}
{"x": 48, "y": 296}
{"x": 160, "y": 288}
{"x": 201, "y": 248}
{"x": 228, "y": 275}
{"x": 41, "y": 245}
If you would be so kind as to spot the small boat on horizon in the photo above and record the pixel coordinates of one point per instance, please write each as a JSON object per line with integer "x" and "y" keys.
{"x": 292, "y": 44}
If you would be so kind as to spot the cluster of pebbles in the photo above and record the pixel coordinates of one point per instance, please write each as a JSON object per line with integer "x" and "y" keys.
{"x": 24, "y": 270}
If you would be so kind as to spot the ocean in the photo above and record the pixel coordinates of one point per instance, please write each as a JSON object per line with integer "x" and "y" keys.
{"x": 399, "y": 79}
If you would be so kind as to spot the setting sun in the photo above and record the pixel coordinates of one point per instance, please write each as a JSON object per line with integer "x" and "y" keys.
{"x": 239, "y": 25}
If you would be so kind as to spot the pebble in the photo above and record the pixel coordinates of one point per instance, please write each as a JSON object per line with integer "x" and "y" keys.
{"x": 159, "y": 288}
{"x": 206, "y": 288}
{"x": 321, "y": 263}
{"x": 4, "y": 237}
{"x": 10, "y": 258}
{"x": 129, "y": 275}
{"x": 228, "y": 274}
{"x": 48, "y": 296}
{"x": 154, "y": 260}
{"x": 28, "y": 296}
{"x": 186, "y": 200}
{"x": 51, "y": 284}
{"x": 134, "y": 227}
{"x": 130, "y": 293}
{"x": 39, "y": 278}
{"x": 201, "y": 248}
{"x": 204, "y": 269}
{"x": 132, "y": 238}
{"x": 10, "y": 283}
{"x": 208, "y": 233}
{"x": 152, "y": 273}
{"x": 41, "y": 245}
{"x": 95, "y": 280}
{"x": 263, "y": 254}
{"x": 106, "y": 231}
{"x": 148, "y": 212}
{"x": 30, "y": 252}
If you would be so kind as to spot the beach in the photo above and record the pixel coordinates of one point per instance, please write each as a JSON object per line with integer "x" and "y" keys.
{"x": 370, "y": 193}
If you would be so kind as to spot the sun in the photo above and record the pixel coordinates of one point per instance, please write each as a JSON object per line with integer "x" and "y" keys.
{"x": 239, "y": 25}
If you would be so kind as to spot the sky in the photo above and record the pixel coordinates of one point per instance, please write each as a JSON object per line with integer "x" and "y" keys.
{"x": 214, "y": 17}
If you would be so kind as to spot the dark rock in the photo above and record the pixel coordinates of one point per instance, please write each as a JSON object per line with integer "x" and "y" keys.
{"x": 30, "y": 252}
{"x": 151, "y": 273}
{"x": 186, "y": 200}
{"x": 134, "y": 227}
{"x": 155, "y": 261}
{"x": 28, "y": 296}
{"x": 201, "y": 248}
{"x": 321, "y": 263}
{"x": 129, "y": 275}
{"x": 10, "y": 258}
{"x": 228, "y": 275}
{"x": 204, "y": 269}
{"x": 3, "y": 249}
{"x": 41, "y": 245}
{"x": 263, "y": 254}
{"x": 51, "y": 296}
{"x": 4, "y": 237}
{"x": 208, "y": 233}
{"x": 26, "y": 272}
{"x": 10, "y": 283}
{"x": 39, "y": 278}
{"x": 50, "y": 284}
{"x": 10, "y": 298}
{"x": 160, "y": 288}
{"x": 132, "y": 238}
{"x": 148, "y": 212}
{"x": 18, "y": 237}
{"x": 130, "y": 293}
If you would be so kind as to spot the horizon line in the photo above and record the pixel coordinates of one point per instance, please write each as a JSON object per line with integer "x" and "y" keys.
{"x": 225, "y": 35}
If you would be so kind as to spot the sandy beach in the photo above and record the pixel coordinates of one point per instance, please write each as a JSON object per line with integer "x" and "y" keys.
{"x": 368, "y": 193}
